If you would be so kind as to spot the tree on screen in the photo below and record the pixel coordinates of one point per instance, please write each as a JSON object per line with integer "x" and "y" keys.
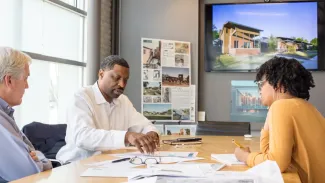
{"x": 314, "y": 42}
{"x": 272, "y": 43}
{"x": 301, "y": 39}
{"x": 215, "y": 32}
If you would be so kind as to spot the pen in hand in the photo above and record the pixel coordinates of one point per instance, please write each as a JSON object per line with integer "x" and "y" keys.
{"x": 237, "y": 144}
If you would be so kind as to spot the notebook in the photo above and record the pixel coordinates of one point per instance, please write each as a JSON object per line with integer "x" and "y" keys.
{"x": 228, "y": 159}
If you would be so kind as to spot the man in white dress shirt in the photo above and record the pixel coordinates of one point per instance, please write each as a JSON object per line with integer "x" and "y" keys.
{"x": 102, "y": 118}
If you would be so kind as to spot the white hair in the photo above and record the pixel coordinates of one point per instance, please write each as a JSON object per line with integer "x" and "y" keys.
{"x": 12, "y": 62}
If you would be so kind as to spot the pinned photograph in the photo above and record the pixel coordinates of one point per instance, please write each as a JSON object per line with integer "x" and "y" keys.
{"x": 175, "y": 76}
{"x": 168, "y": 45}
{"x": 147, "y": 99}
{"x": 166, "y": 93}
{"x": 156, "y": 75}
{"x": 157, "y": 111}
{"x": 151, "y": 88}
{"x": 156, "y": 99}
{"x": 181, "y": 60}
{"x": 151, "y": 54}
{"x": 180, "y": 129}
{"x": 145, "y": 74}
{"x": 181, "y": 114}
{"x": 182, "y": 48}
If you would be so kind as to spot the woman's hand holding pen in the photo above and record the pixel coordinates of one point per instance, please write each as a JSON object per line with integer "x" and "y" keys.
{"x": 241, "y": 152}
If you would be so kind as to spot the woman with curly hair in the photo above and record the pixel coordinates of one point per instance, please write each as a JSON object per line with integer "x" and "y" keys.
{"x": 294, "y": 131}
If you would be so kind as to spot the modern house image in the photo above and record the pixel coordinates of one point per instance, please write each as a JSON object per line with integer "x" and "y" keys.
{"x": 284, "y": 43}
{"x": 238, "y": 39}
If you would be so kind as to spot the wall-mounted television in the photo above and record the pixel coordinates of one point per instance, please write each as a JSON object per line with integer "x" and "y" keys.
{"x": 241, "y": 37}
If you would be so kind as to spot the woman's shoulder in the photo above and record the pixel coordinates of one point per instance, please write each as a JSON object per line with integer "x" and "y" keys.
{"x": 293, "y": 103}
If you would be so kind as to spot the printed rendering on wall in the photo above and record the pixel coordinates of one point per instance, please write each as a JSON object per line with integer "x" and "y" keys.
{"x": 180, "y": 129}
{"x": 157, "y": 111}
{"x": 167, "y": 93}
{"x": 246, "y": 102}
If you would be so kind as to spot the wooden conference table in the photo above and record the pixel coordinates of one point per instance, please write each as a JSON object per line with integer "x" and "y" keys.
{"x": 211, "y": 144}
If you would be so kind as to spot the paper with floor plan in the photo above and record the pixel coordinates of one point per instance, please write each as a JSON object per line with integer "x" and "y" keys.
{"x": 228, "y": 159}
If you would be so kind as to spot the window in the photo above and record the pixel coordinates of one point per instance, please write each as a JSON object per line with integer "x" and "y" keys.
{"x": 226, "y": 31}
{"x": 54, "y": 36}
{"x": 235, "y": 44}
{"x": 256, "y": 44}
{"x": 247, "y": 44}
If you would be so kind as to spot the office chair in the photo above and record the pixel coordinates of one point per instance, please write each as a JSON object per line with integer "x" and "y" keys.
{"x": 47, "y": 138}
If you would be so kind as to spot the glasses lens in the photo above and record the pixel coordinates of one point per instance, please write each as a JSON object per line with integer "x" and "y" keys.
{"x": 136, "y": 160}
{"x": 260, "y": 84}
{"x": 151, "y": 161}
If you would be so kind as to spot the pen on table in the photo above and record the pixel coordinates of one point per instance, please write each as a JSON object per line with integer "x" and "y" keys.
{"x": 237, "y": 144}
{"x": 120, "y": 160}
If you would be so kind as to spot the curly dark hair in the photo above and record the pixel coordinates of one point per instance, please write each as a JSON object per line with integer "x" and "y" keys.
{"x": 288, "y": 74}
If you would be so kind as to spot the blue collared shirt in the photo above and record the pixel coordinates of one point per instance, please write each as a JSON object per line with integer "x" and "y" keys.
{"x": 14, "y": 154}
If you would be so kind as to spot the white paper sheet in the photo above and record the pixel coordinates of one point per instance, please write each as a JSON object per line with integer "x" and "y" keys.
{"x": 170, "y": 159}
{"x": 160, "y": 153}
{"x": 108, "y": 163}
{"x": 206, "y": 169}
{"x": 268, "y": 171}
{"x": 228, "y": 159}
{"x": 172, "y": 170}
{"x": 146, "y": 180}
{"x": 109, "y": 172}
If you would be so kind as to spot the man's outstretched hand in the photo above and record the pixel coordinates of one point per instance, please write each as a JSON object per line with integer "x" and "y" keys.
{"x": 146, "y": 143}
{"x": 155, "y": 137}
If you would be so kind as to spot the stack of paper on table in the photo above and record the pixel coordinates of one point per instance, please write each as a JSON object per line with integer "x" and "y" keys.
{"x": 123, "y": 169}
{"x": 169, "y": 170}
{"x": 228, "y": 159}
{"x": 266, "y": 172}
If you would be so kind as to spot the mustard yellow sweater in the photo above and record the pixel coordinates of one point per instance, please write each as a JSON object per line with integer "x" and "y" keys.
{"x": 296, "y": 136}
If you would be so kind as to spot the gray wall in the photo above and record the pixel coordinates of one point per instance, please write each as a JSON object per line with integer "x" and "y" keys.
{"x": 160, "y": 19}
{"x": 179, "y": 20}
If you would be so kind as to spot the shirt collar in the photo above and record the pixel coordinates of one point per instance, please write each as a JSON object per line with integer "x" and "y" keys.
{"x": 100, "y": 99}
{"x": 4, "y": 106}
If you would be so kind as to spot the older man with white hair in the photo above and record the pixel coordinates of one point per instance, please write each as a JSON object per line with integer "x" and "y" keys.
{"x": 17, "y": 156}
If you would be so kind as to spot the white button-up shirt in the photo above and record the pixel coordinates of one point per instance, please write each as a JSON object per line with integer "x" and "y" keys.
{"x": 94, "y": 125}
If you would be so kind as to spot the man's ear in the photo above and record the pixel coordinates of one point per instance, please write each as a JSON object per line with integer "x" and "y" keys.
{"x": 100, "y": 74}
{"x": 7, "y": 80}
